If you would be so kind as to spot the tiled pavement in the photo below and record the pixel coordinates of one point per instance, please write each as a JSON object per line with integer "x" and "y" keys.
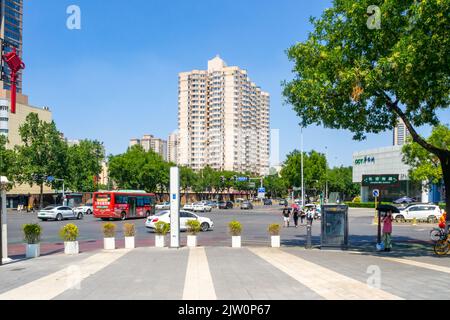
{"x": 250, "y": 273}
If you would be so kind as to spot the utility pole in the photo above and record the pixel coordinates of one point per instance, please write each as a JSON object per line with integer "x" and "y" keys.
{"x": 326, "y": 174}
{"x": 303, "y": 181}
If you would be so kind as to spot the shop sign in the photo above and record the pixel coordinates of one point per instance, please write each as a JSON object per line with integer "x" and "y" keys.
{"x": 386, "y": 179}
{"x": 365, "y": 160}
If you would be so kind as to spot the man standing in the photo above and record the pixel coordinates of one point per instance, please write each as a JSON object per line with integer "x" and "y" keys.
{"x": 286, "y": 216}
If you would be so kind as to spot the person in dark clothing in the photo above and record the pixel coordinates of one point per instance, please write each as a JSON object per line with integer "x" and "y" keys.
{"x": 303, "y": 216}
{"x": 295, "y": 215}
{"x": 286, "y": 216}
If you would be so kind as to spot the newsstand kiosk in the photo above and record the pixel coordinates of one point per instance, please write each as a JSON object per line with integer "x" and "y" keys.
{"x": 334, "y": 227}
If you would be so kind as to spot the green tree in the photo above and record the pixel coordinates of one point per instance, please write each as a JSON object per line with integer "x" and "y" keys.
{"x": 276, "y": 187}
{"x": 340, "y": 179}
{"x": 426, "y": 166}
{"x": 188, "y": 179}
{"x": 43, "y": 153}
{"x": 350, "y": 76}
{"x": 83, "y": 164}
{"x": 314, "y": 170}
{"x": 7, "y": 158}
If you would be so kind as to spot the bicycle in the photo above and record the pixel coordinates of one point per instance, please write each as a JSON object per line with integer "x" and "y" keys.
{"x": 437, "y": 234}
{"x": 442, "y": 247}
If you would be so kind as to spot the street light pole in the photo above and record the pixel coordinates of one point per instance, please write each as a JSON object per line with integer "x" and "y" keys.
{"x": 326, "y": 174}
{"x": 303, "y": 182}
{"x": 3, "y": 221}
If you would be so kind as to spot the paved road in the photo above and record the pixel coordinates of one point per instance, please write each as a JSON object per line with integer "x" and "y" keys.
{"x": 208, "y": 273}
{"x": 255, "y": 223}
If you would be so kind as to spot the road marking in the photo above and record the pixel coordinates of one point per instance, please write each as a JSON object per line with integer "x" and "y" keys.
{"x": 325, "y": 282}
{"x": 198, "y": 284}
{"x": 419, "y": 264}
{"x": 49, "y": 287}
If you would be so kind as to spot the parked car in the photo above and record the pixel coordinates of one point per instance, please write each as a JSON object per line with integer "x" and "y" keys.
{"x": 226, "y": 205}
{"x": 58, "y": 213}
{"x": 205, "y": 223}
{"x": 246, "y": 205}
{"x": 189, "y": 206}
{"x": 405, "y": 200}
{"x": 163, "y": 206}
{"x": 267, "y": 202}
{"x": 283, "y": 202}
{"x": 201, "y": 207}
{"x": 428, "y": 212}
{"x": 87, "y": 209}
{"x": 212, "y": 204}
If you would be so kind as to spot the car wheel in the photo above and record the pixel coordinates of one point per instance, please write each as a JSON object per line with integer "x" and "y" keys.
{"x": 59, "y": 217}
{"x": 80, "y": 216}
{"x": 44, "y": 220}
{"x": 88, "y": 212}
{"x": 123, "y": 216}
{"x": 400, "y": 219}
{"x": 205, "y": 227}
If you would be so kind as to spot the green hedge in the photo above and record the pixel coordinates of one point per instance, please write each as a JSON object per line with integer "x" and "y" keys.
{"x": 363, "y": 204}
{"x": 442, "y": 205}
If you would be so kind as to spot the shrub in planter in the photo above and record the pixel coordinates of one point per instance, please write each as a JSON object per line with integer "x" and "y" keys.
{"x": 69, "y": 234}
{"x": 129, "y": 230}
{"x": 193, "y": 227}
{"x": 161, "y": 229}
{"x": 274, "y": 231}
{"x": 109, "y": 233}
{"x": 32, "y": 236}
{"x": 235, "y": 228}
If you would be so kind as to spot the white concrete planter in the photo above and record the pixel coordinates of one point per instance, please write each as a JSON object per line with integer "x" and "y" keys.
{"x": 236, "y": 241}
{"x": 71, "y": 247}
{"x": 129, "y": 243}
{"x": 109, "y": 243}
{"x": 191, "y": 241}
{"x": 33, "y": 250}
{"x": 275, "y": 241}
{"x": 160, "y": 241}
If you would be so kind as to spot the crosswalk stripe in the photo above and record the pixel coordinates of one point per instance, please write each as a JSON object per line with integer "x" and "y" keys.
{"x": 325, "y": 282}
{"x": 198, "y": 283}
{"x": 419, "y": 264}
{"x": 49, "y": 287}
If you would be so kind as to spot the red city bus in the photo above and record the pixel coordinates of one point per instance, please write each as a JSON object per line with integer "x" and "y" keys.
{"x": 123, "y": 204}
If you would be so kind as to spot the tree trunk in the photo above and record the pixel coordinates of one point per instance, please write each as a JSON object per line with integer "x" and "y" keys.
{"x": 445, "y": 163}
{"x": 41, "y": 197}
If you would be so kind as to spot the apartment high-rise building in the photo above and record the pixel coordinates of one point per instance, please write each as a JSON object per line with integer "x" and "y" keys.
{"x": 149, "y": 142}
{"x": 401, "y": 133}
{"x": 223, "y": 120}
{"x": 172, "y": 148}
{"x": 11, "y": 25}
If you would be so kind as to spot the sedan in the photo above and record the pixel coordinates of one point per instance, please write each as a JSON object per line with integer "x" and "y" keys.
{"x": 188, "y": 206}
{"x": 405, "y": 200}
{"x": 87, "y": 209}
{"x": 164, "y": 216}
{"x": 283, "y": 202}
{"x": 59, "y": 213}
{"x": 267, "y": 202}
{"x": 226, "y": 205}
{"x": 212, "y": 204}
{"x": 201, "y": 207}
{"x": 163, "y": 206}
{"x": 246, "y": 205}
{"x": 430, "y": 213}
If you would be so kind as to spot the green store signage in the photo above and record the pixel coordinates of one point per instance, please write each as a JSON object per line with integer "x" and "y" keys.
{"x": 386, "y": 179}
{"x": 365, "y": 160}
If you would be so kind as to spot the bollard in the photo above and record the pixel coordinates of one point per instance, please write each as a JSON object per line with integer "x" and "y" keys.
{"x": 309, "y": 235}
{"x": 414, "y": 222}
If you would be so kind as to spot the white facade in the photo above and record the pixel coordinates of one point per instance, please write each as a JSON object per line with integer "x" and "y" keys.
{"x": 149, "y": 142}
{"x": 401, "y": 133}
{"x": 223, "y": 120}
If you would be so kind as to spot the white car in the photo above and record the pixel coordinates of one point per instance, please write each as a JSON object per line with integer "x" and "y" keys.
{"x": 163, "y": 206}
{"x": 188, "y": 206}
{"x": 205, "y": 223}
{"x": 427, "y": 212}
{"x": 201, "y": 207}
{"x": 87, "y": 209}
{"x": 58, "y": 213}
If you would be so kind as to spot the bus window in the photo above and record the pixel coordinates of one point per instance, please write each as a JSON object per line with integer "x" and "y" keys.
{"x": 121, "y": 199}
{"x": 147, "y": 201}
{"x": 140, "y": 201}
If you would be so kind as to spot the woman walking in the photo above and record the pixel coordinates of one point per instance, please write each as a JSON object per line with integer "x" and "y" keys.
{"x": 387, "y": 231}
{"x": 295, "y": 215}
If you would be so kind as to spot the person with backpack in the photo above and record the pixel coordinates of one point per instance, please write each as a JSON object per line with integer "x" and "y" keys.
{"x": 286, "y": 216}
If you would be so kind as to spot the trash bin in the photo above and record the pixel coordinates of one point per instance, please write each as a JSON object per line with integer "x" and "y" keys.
{"x": 334, "y": 227}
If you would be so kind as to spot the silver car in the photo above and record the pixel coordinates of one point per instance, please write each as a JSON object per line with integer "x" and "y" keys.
{"x": 59, "y": 213}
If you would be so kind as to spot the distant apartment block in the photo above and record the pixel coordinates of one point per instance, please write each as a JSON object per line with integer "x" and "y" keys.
{"x": 401, "y": 133}
{"x": 149, "y": 142}
{"x": 172, "y": 148}
{"x": 223, "y": 120}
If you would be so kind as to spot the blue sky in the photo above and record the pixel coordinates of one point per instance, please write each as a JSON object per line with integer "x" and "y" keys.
{"x": 116, "y": 78}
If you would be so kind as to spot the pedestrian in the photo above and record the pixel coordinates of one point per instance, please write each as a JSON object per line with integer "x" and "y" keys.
{"x": 387, "y": 231}
{"x": 310, "y": 216}
{"x": 295, "y": 215}
{"x": 286, "y": 216}
{"x": 303, "y": 216}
